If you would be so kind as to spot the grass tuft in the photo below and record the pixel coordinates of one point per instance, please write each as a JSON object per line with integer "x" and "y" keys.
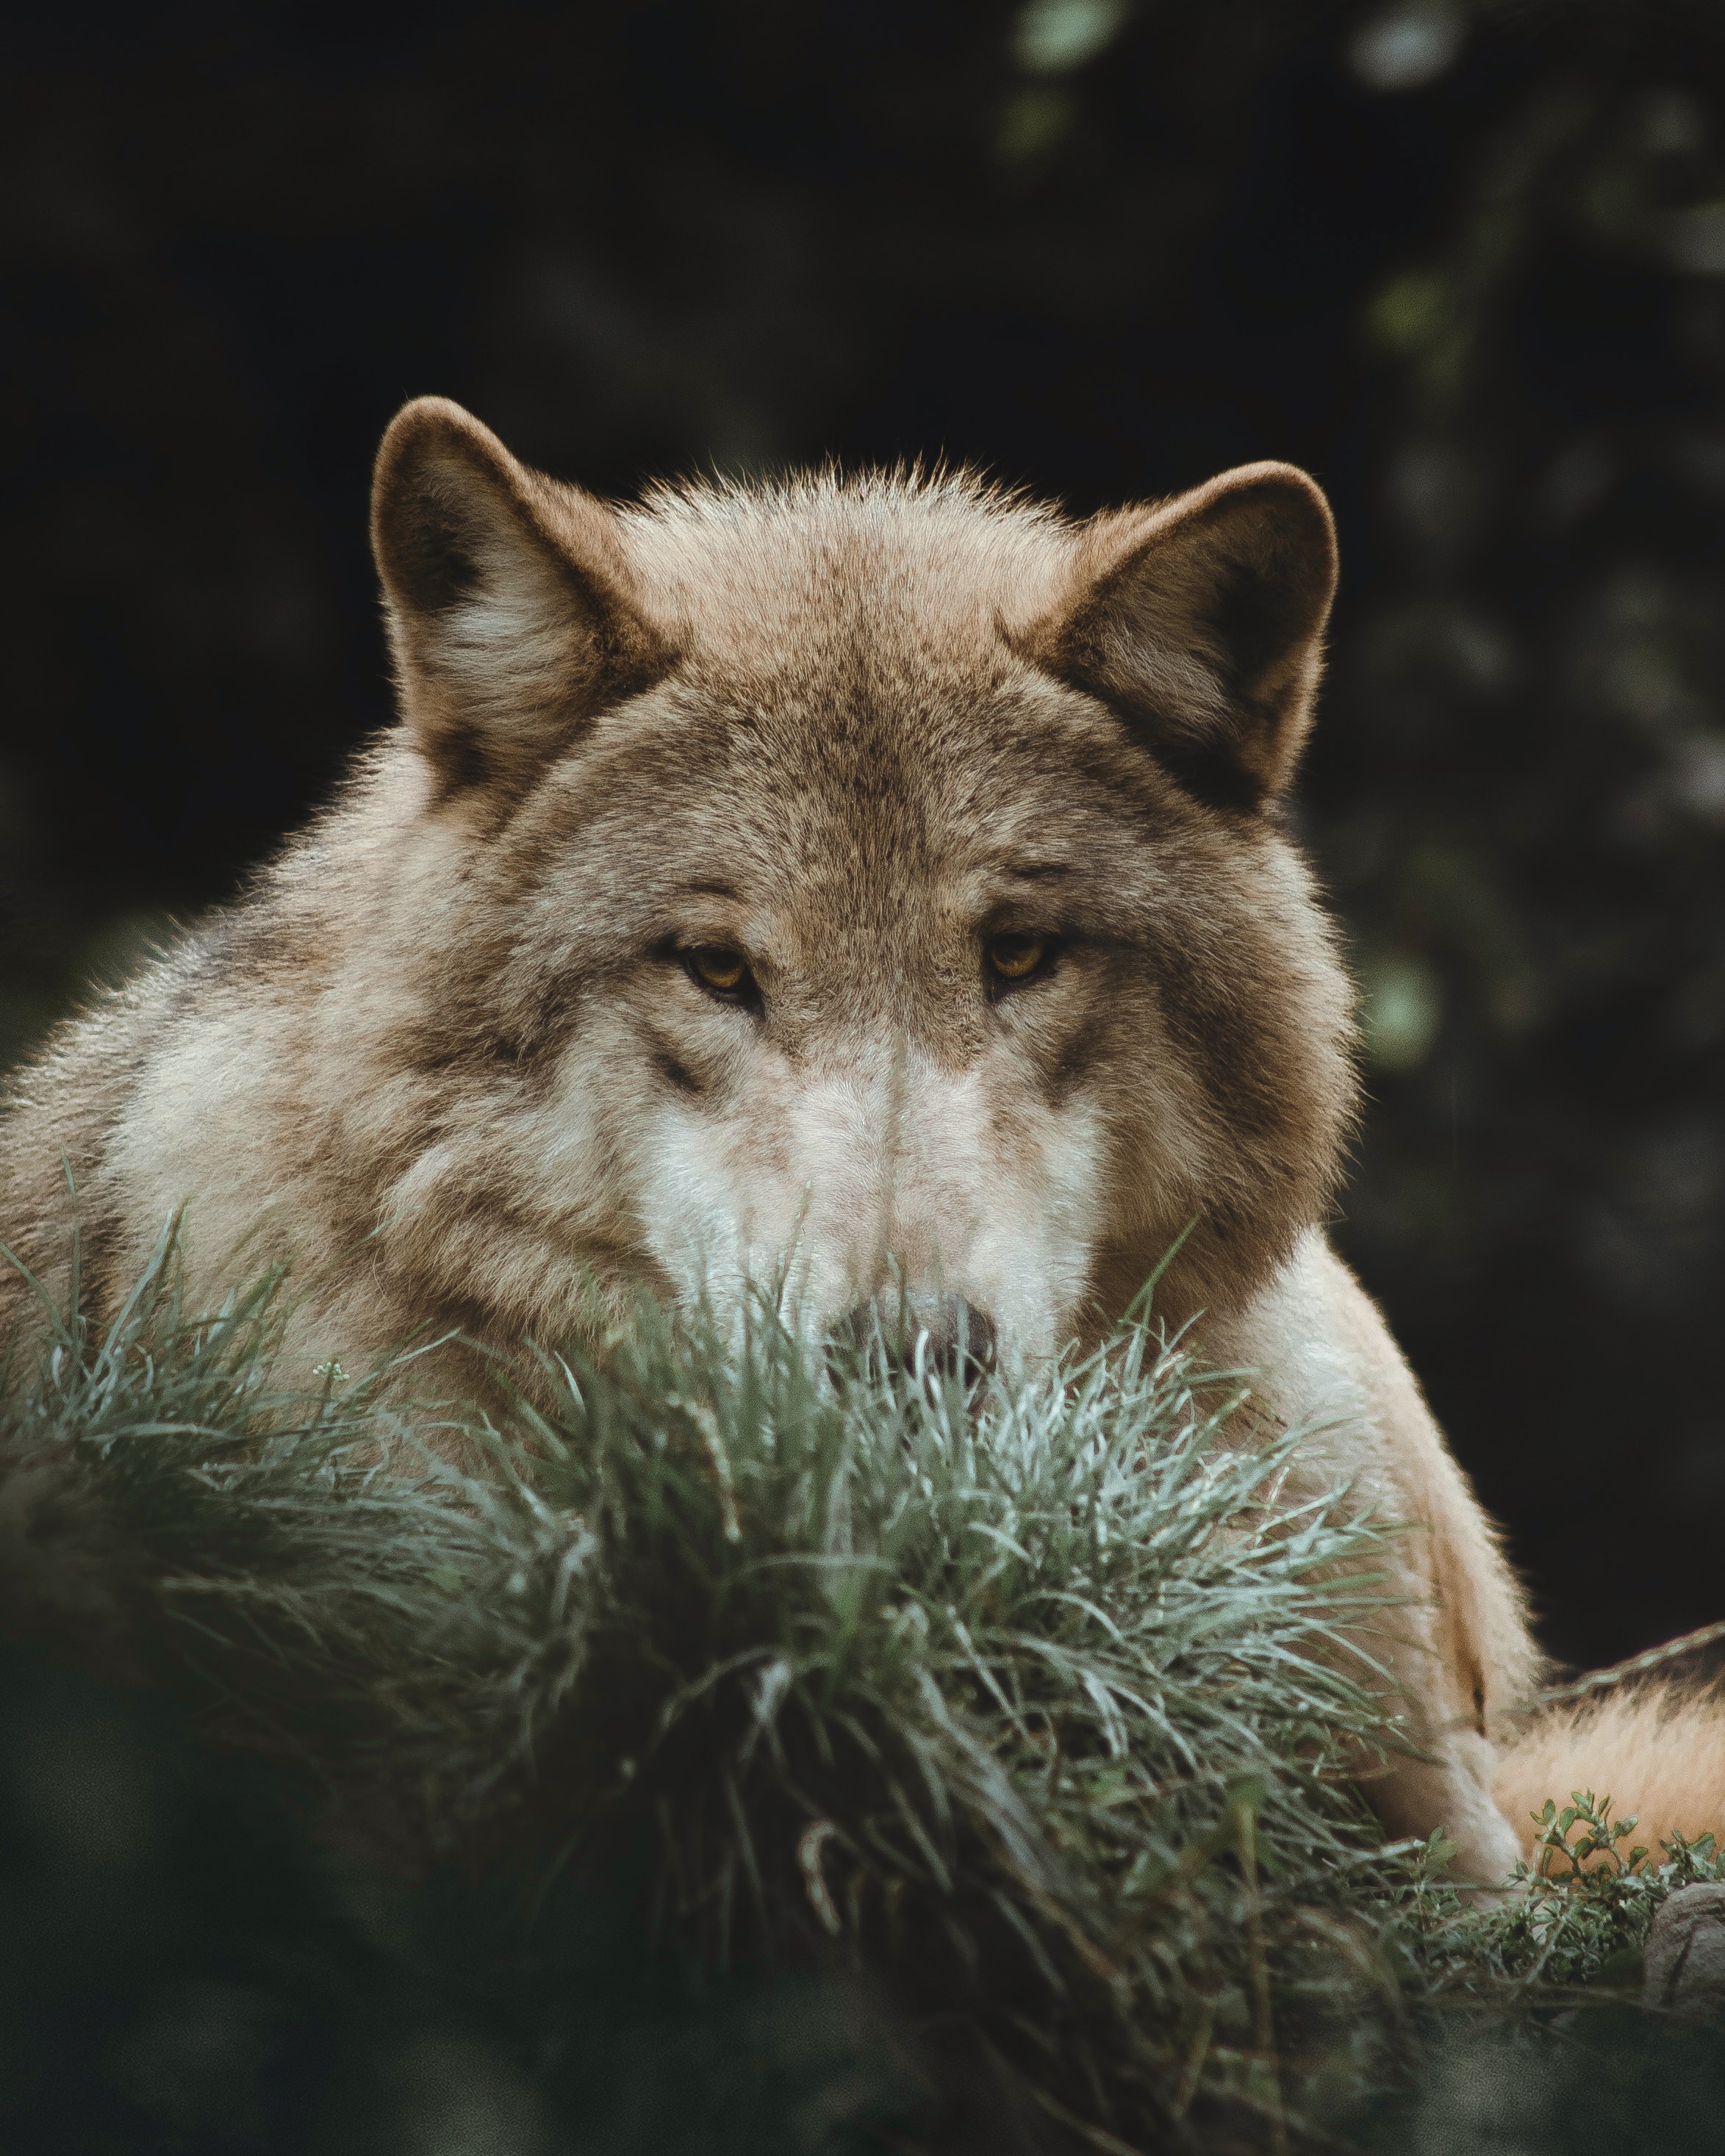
{"x": 1033, "y": 1705}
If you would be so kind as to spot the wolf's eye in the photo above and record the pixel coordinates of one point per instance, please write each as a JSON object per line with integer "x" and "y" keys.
{"x": 719, "y": 971}
{"x": 1015, "y": 956}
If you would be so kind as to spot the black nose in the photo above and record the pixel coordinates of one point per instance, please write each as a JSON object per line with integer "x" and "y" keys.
{"x": 949, "y": 1334}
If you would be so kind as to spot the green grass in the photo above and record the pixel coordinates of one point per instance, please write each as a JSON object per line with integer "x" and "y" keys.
{"x": 1035, "y": 1706}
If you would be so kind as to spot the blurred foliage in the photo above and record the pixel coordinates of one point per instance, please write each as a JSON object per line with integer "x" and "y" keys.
{"x": 1466, "y": 261}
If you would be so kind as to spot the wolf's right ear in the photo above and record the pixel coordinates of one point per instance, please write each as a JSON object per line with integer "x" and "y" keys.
{"x": 508, "y": 598}
{"x": 1200, "y": 621}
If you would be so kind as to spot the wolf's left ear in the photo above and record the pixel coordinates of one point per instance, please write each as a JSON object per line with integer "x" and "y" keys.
{"x": 509, "y": 600}
{"x": 1201, "y": 620}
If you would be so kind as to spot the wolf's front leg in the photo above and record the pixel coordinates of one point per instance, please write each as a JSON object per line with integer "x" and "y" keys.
{"x": 1454, "y": 1644}
{"x": 1449, "y": 1788}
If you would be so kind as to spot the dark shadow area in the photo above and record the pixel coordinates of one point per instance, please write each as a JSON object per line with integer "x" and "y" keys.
{"x": 196, "y": 1962}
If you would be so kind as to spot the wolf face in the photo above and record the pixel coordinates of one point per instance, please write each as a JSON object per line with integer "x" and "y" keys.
{"x": 876, "y": 884}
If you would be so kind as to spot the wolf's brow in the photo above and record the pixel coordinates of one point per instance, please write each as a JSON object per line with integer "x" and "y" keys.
{"x": 703, "y": 887}
{"x": 1033, "y": 872}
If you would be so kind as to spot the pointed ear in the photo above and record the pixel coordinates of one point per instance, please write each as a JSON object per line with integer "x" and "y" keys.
{"x": 508, "y": 598}
{"x": 1200, "y": 620}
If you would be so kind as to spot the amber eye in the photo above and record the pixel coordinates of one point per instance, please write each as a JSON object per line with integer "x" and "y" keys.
{"x": 719, "y": 970}
{"x": 1016, "y": 955}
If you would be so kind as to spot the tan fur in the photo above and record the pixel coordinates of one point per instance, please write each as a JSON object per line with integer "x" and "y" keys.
{"x": 1458, "y": 1646}
{"x": 453, "y": 1056}
{"x": 1658, "y": 1751}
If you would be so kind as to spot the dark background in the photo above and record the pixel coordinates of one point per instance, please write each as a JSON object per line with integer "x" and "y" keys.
{"x": 1468, "y": 265}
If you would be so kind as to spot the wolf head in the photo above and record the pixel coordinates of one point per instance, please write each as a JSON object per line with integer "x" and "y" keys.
{"x": 874, "y": 884}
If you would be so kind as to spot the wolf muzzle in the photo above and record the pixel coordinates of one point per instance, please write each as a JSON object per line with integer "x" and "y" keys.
{"x": 896, "y": 1331}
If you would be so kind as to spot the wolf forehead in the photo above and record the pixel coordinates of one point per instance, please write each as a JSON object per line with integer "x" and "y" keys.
{"x": 841, "y": 666}
{"x": 886, "y": 788}
{"x": 880, "y": 585}
{"x": 834, "y": 675}
{"x": 852, "y": 663}
{"x": 822, "y": 634}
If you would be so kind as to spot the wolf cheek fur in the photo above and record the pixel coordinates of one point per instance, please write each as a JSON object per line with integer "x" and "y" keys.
{"x": 885, "y": 876}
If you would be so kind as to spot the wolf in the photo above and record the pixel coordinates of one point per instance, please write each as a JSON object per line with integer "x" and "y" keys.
{"x": 885, "y": 879}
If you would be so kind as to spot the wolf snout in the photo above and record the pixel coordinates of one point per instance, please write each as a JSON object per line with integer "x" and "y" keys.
{"x": 944, "y": 1332}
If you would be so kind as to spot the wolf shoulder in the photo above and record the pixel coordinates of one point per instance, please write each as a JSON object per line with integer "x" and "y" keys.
{"x": 140, "y": 1100}
{"x": 1323, "y": 1361}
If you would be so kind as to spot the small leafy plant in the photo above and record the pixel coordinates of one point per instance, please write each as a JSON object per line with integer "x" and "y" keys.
{"x": 1581, "y": 1912}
